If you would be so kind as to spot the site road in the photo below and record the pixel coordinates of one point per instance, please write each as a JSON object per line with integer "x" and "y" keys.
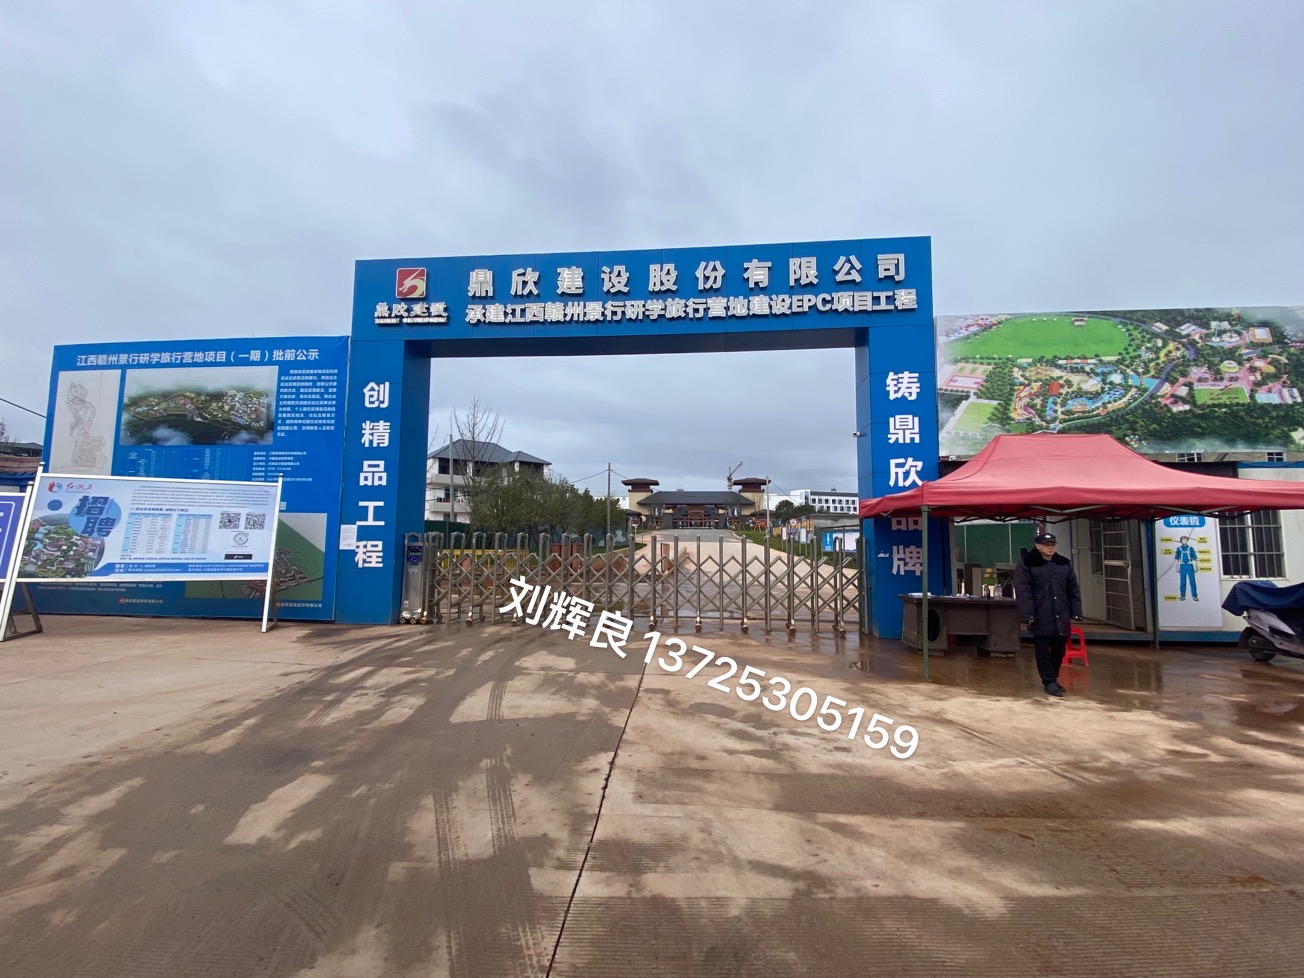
{"x": 194, "y": 798}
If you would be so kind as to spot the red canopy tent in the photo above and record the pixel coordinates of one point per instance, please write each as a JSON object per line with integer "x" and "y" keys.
{"x": 1056, "y": 477}
{"x": 1064, "y": 476}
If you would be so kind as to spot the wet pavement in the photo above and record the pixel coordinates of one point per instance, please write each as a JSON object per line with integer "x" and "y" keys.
{"x": 187, "y": 797}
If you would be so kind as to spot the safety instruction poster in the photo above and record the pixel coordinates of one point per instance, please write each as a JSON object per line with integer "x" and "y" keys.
{"x": 1187, "y": 572}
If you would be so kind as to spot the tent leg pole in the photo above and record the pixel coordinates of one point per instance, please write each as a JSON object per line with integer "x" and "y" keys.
{"x": 1154, "y": 580}
{"x": 923, "y": 522}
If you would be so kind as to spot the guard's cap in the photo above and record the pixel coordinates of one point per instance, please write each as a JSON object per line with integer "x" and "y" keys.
{"x": 1044, "y": 538}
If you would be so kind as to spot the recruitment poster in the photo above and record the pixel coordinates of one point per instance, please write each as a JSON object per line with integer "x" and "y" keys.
{"x": 121, "y": 529}
{"x": 243, "y": 410}
{"x": 1187, "y": 572}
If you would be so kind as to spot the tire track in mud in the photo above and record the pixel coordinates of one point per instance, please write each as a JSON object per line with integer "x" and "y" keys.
{"x": 336, "y": 699}
{"x": 406, "y": 839}
{"x": 520, "y": 945}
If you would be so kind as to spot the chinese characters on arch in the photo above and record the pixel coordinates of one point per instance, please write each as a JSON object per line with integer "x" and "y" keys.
{"x": 662, "y": 281}
{"x": 369, "y": 552}
{"x": 905, "y": 470}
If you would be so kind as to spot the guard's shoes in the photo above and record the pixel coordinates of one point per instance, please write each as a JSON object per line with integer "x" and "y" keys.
{"x": 1055, "y": 689}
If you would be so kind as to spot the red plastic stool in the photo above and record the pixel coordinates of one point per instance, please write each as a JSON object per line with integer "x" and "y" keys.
{"x": 1076, "y": 647}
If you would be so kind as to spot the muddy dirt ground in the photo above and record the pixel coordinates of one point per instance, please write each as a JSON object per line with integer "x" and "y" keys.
{"x": 195, "y": 798}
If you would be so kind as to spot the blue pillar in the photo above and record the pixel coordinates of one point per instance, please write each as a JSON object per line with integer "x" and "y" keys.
{"x": 384, "y": 488}
{"x": 896, "y": 417}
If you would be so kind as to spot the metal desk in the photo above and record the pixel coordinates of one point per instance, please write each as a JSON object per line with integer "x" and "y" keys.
{"x": 990, "y": 623}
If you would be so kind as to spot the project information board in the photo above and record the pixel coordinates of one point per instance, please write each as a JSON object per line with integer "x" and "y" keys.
{"x": 234, "y": 410}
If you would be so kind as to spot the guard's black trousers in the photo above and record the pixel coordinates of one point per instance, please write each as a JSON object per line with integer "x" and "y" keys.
{"x": 1050, "y": 656}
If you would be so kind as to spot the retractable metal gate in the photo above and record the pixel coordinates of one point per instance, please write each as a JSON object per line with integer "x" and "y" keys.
{"x": 671, "y": 580}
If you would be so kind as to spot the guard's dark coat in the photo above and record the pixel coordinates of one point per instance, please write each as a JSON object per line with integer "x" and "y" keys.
{"x": 1047, "y": 592}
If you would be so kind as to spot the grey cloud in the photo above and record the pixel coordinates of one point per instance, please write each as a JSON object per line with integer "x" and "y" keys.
{"x": 185, "y": 170}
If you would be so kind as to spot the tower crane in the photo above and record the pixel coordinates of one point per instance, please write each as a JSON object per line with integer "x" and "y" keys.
{"x": 728, "y": 479}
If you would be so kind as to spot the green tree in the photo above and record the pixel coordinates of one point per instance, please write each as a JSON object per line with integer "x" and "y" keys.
{"x": 788, "y": 510}
{"x": 506, "y": 501}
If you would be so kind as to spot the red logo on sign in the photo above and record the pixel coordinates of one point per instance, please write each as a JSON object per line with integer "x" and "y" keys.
{"x": 411, "y": 283}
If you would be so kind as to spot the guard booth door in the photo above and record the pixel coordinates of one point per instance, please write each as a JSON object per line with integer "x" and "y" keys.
{"x": 1117, "y": 552}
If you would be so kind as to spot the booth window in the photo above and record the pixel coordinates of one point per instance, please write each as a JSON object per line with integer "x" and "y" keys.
{"x": 1096, "y": 547}
{"x": 1251, "y": 545}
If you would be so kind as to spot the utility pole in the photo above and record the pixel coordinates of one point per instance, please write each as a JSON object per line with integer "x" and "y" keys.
{"x": 607, "y": 542}
{"x": 451, "y": 504}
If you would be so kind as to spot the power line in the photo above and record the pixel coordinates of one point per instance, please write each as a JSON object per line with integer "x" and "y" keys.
{"x": 21, "y": 408}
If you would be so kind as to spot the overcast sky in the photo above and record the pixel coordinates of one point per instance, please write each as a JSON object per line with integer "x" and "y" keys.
{"x": 172, "y": 170}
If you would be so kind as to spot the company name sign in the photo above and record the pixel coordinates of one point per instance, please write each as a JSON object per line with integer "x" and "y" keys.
{"x": 789, "y": 285}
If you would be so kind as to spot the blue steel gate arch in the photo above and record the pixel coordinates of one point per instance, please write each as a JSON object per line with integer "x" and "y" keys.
{"x": 873, "y": 294}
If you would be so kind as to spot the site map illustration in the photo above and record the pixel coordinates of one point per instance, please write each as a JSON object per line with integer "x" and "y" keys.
{"x": 55, "y": 550}
{"x": 233, "y": 416}
{"x": 1158, "y": 380}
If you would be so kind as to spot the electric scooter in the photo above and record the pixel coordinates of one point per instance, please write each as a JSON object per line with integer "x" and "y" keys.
{"x": 1274, "y": 616}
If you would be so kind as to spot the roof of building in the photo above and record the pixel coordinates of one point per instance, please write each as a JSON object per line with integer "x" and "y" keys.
{"x": 677, "y": 497}
{"x": 24, "y": 448}
{"x": 640, "y": 482}
{"x": 489, "y": 452}
{"x": 18, "y": 467}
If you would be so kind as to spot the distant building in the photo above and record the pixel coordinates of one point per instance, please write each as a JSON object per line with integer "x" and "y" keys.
{"x": 694, "y": 509}
{"x": 18, "y": 464}
{"x": 714, "y": 508}
{"x": 466, "y": 460}
{"x": 833, "y": 501}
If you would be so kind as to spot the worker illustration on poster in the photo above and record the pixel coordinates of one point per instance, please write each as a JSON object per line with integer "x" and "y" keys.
{"x": 1188, "y": 577}
{"x": 1187, "y": 561}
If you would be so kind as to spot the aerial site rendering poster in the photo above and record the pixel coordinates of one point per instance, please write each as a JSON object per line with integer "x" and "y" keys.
{"x": 245, "y": 409}
{"x": 199, "y": 406}
{"x": 1158, "y": 380}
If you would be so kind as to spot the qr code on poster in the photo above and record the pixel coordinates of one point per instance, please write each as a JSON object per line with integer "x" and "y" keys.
{"x": 228, "y": 521}
{"x": 255, "y": 521}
